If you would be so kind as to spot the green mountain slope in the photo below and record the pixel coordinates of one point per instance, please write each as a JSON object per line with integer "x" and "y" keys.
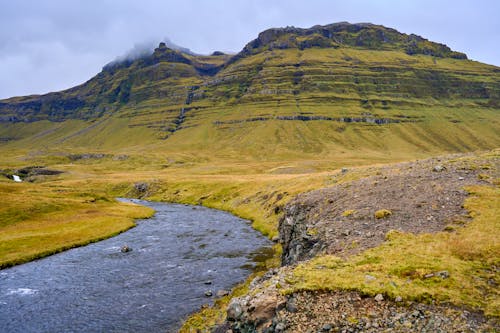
{"x": 337, "y": 90}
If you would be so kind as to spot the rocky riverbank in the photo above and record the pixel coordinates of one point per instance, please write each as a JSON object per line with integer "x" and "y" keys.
{"x": 345, "y": 220}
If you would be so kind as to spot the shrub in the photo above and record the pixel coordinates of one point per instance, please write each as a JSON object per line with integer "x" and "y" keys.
{"x": 348, "y": 213}
{"x": 382, "y": 213}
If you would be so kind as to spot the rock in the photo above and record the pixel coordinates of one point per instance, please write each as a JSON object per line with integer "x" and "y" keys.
{"x": 275, "y": 239}
{"x": 264, "y": 308}
{"x": 280, "y": 327}
{"x": 326, "y": 328}
{"x": 209, "y": 293}
{"x": 344, "y": 170}
{"x": 296, "y": 244}
{"x": 222, "y": 293}
{"x": 120, "y": 157}
{"x": 461, "y": 178}
{"x": 443, "y": 274}
{"x": 291, "y": 306}
{"x": 370, "y": 277}
{"x": 141, "y": 187}
{"x": 379, "y": 298}
{"x": 234, "y": 311}
{"x": 208, "y": 282}
{"x": 125, "y": 249}
{"x": 438, "y": 168}
{"x": 399, "y": 299}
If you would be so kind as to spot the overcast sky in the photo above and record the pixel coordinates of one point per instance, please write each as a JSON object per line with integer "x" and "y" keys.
{"x": 49, "y": 45}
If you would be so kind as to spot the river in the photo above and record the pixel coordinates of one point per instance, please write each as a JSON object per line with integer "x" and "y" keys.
{"x": 177, "y": 256}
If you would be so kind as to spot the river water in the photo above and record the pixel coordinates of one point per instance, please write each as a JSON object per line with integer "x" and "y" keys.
{"x": 97, "y": 288}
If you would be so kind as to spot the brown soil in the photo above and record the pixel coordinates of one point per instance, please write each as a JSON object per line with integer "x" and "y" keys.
{"x": 423, "y": 197}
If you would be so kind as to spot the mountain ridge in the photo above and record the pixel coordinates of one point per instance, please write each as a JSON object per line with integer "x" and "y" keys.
{"x": 326, "y": 76}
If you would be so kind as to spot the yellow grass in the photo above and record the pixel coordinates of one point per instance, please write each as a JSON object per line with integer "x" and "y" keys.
{"x": 37, "y": 220}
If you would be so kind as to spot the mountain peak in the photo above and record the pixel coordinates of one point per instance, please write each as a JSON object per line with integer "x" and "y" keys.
{"x": 345, "y": 34}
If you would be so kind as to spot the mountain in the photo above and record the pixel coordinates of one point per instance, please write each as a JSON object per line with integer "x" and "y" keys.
{"x": 318, "y": 90}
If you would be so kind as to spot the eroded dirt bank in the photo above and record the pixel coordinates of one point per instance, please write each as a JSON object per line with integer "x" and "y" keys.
{"x": 417, "y": 197}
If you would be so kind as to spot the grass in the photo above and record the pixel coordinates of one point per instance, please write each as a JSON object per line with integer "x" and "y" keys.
{"x": 382, "y": 213}
{"x": 407, "y": 265}
{"x": 37, "y": 220}
{"x": 76, "y": 207}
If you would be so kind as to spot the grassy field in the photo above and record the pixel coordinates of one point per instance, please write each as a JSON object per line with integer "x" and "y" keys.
{"x": 43, "y": 218}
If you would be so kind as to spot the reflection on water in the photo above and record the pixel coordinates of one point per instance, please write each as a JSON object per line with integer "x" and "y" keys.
{"x": 97, "y": 288}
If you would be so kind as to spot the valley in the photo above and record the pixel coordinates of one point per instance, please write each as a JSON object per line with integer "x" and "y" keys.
{"x": 331, "y": 108}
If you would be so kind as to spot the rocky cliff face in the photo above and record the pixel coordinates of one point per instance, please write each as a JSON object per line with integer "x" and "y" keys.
{"x": 298, "y": 237}
{"x": 363, "y": 35}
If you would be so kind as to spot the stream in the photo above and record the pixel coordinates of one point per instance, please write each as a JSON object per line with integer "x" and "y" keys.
{"x": 177, "y": 256}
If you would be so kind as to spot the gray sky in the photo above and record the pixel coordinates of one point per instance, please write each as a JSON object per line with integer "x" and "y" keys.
{"x": 49, "y": 45}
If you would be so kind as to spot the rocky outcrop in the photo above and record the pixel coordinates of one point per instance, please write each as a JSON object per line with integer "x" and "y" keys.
{"x": 369, "y": 120}
{"x": 298, "y": 237}
{"x": 364, "y": 35}
{"x": 30, "y": 173}
{"x": 256, "y": 311}
{"x": 266, "y": 309}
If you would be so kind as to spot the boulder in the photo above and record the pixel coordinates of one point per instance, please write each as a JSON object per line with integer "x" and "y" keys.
{"x": 438, "y": 168}
{"x": 222, "y": 293}
{"x": 125, "y": 249}
{"x": 234, "y": 310}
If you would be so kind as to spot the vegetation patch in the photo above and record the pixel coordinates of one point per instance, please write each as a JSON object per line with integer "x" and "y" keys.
{"x": 348, "y": 212}
{"x": 382, "y": 213}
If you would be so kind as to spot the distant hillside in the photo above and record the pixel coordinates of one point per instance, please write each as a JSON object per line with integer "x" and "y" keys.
{"x": 323, "y": 89}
